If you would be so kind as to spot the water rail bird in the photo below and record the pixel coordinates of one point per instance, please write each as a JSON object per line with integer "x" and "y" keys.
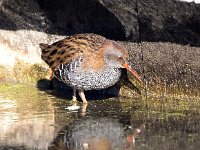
{"x": 86, "y": 62}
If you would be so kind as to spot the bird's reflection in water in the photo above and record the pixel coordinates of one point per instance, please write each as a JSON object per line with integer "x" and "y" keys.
{"x": 99, "y": 133}
{"x": 83, "y": 109}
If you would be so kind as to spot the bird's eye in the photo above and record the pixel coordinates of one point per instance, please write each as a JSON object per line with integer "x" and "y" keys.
{"x": 119, "y": 57}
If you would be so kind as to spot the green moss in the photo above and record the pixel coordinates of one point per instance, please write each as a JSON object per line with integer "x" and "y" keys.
{"x": 24, "y": 73}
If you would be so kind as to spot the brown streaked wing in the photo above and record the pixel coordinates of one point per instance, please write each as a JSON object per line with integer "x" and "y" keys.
{"x": 58, "y": 53}
{"x": 63, "y": 51}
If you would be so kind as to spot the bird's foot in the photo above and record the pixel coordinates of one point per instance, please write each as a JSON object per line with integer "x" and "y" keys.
{"x": 74, "y": 99}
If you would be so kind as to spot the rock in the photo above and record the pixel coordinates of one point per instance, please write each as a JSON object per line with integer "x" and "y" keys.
{"x": 23, "y": 26}
{"x": 20, "y": 52}
{"x": 167, "y": 66}
{"x": 23, "y": 15}
{"x": 115, "y": 19}
{"x": 110, "y": 18}
{"x": 147, "y": 20}
{"x": 169, "y": 21}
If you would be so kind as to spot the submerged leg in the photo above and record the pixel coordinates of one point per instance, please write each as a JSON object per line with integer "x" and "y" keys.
{"x": 82, "y": 95}
{"x": 74, "y": 94}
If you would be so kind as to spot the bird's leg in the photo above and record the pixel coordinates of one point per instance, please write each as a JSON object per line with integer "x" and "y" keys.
{"x": 82, "y": 95}
{"x": 51, "y": 74}
{"x": 74, "y": 95}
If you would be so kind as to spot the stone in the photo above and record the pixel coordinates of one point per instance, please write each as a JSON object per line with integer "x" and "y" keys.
{"x": 110, "y": 18}
{"x": 169, "y": 21}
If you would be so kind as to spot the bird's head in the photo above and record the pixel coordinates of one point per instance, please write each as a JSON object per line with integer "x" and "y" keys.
{"x": 116, "y": 57}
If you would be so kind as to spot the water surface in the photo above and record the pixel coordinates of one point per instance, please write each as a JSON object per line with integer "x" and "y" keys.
{"x": 35, "y": 119}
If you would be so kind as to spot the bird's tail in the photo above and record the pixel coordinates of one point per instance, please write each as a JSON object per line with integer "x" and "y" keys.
{"x": 43, "y": 46}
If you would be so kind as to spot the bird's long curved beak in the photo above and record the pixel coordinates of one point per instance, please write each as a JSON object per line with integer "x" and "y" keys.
{"x": 132, "y": 71}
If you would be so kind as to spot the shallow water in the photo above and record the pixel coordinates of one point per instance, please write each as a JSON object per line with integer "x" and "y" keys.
{"x": 34, "y": 119}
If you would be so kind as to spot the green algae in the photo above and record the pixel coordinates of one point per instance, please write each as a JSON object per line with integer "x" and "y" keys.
{"x": 24, "y": 73}
{"x": 29, "y": 73}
